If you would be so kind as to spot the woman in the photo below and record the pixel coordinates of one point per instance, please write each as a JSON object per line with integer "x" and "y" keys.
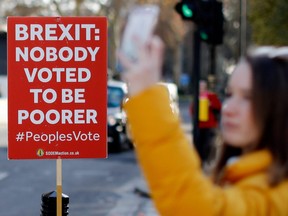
{"x": 251, "y": 176}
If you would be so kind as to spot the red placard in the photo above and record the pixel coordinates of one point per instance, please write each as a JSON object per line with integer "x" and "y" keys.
{"x": 57, "y": 87}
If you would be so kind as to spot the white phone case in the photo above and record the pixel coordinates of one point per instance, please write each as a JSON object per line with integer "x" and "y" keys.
{"x": 140, "y": 26}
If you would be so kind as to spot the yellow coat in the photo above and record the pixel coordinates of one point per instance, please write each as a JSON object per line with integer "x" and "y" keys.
{"x": 173, "y": 173}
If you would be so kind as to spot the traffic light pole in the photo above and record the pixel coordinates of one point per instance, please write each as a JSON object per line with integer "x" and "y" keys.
{"x": 195, "y": 86}
{"x": 212, "y": 66}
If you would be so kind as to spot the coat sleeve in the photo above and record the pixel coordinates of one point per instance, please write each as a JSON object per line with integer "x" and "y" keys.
{"x": 171, "y": 166}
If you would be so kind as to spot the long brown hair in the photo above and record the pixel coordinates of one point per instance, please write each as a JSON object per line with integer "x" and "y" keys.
{"x": 270, "y": 108}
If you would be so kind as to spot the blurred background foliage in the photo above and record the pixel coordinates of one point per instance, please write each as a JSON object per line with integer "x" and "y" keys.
{"x": 269, "y": 20}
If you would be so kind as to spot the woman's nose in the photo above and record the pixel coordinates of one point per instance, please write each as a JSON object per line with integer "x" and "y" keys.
{"x": 229, "y": 107}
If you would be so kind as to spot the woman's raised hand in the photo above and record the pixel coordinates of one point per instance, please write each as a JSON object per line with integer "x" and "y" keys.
{"x": 147, "y": 70}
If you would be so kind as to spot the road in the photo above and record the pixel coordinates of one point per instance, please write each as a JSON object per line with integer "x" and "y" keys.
{"x": 95, "y": 186}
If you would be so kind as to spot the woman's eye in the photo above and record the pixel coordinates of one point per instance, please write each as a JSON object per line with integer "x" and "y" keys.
{"x": 228, "y": 94}
{"x": 247, "y": 96}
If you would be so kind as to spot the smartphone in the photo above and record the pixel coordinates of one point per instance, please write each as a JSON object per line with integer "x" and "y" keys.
{"x": 140, "y": 25}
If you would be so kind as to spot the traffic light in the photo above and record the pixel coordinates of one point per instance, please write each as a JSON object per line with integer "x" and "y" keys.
{"x": 211, "y": 25}
{"x": 188, "y": 10}
{"x": 207, "y": 15}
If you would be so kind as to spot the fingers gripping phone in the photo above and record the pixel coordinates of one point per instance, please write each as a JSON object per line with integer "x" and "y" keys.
{"x": 140, "y": 25}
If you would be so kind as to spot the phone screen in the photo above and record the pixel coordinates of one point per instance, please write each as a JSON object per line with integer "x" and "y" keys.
{"x": 140, "y": 25}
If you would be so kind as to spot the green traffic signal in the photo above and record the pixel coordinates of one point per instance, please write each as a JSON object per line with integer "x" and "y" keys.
{"x": 187, "y": 12}
{"x": 207, "y": 15}
{"x": 204, "y": 35}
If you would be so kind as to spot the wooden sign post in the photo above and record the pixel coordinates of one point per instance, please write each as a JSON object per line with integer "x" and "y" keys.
{"x": 59, "y": 186}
